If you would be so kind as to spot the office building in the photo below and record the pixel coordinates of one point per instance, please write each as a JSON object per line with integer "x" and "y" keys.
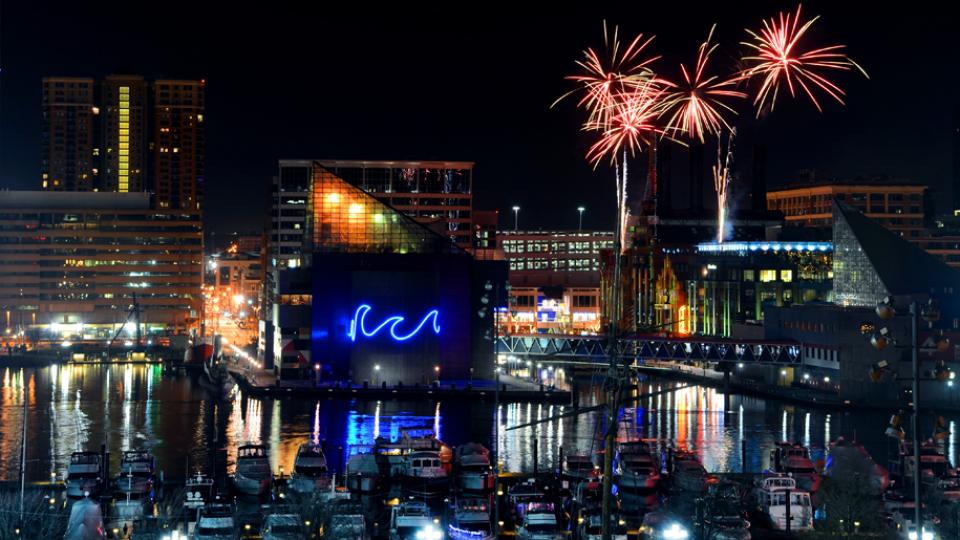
{"x": 73, "y": 265}
{"x": 897, "y": 205}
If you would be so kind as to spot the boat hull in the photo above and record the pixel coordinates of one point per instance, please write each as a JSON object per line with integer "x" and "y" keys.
{"x": 251, "y": 486}
{"x": 425, "y": 485}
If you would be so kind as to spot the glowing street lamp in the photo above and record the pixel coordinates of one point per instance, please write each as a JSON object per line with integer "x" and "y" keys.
{"x": 516, "y": 217}
{"x": 580, "y": 209}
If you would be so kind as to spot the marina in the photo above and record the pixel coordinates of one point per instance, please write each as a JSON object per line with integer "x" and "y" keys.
{"x": 250, "y": 459}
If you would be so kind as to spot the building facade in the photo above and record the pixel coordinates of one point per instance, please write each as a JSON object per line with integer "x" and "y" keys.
{"x": 68, "y": 134}
{"x": 554, "y": 258}
{"x": 123, "y": 149}
{"x": 395, "y": 298}
{"x": 73, "y": 265}
{"x": 178, "y": 143}
{"x": 437, "y": 194}
{"x": 898, "y": 206}
{"x": 124, "y": 134}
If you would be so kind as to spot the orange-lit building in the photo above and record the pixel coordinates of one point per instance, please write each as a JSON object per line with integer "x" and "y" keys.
{"x": 898, "y": 206}
{"x": 72, "y": 265}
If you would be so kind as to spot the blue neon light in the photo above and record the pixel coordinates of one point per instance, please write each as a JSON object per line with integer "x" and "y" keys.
{"x": 360, "y": 316}
{"x": 713, "y": 247}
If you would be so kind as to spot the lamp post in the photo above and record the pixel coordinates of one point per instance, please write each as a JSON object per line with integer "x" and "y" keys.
{"x": 580, "y": 209}
{"x": 516, "y": 217}
{"x": 931, "y": 313}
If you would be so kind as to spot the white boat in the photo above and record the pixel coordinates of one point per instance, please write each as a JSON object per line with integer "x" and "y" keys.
{"x": 252, "y": 475}
{"x": 590, "y": 527}
{"x": 473, "y": 469}
{"x": 539, "y": 522}
{"x": 215, "y": 523}
{"x": 84, "y": 474}
{"x": 283, "y": 527}
{"x": 772, "y": 499}
{"x": 136, "y": 473}
{"x": 424, "y": 474}
{"x": 363, "y": 473}
{"x": 793, "y": 459}
{"x": 638, "y": 468}
{"x": 310, "y": 473}
{"x": 471, "y": 520}
{"x": 409, "y": 518}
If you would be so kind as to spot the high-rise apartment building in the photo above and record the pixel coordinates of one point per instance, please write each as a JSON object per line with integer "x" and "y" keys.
{"x": 123, "y": 153}
{"x": 124, "y": 134}
{"x": 178, "y": 143}
{"x": 69, "y": 149}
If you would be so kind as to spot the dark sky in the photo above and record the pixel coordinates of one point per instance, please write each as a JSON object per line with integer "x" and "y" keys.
{"x": 470, "y": 85}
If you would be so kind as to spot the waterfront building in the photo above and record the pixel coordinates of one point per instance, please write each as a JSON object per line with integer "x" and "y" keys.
{"x": 870, "y": 263}
{"x": 400, "y": 301}
{"x": 73, "y": 265}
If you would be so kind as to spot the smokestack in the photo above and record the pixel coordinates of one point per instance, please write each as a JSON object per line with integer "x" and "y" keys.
{"x": 696, "y": 176}
{"x": 758, "y": 188}
{"x": 664, "y": 177}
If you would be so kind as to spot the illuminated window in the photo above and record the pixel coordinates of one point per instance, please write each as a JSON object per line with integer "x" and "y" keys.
{"x": 766, "y": 276}
{"x": 346, "y": 219}
{"x": 786, "y": 276}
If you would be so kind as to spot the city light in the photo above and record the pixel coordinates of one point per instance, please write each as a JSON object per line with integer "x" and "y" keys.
{"x": 675, "y": 532}
{"x": 429, "y": 533}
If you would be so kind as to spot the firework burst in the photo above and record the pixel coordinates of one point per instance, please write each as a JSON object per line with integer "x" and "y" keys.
{"x": 604, "y": 77}
{"x": 697, "y": 103}
{"x": 777, "y": 58}
{"x": 631, "y": 123}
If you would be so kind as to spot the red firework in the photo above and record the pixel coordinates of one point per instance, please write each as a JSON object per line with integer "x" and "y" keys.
{"x": 603, "y": 79}
{"x": 631, "y": 122}
{"x": 698, "y": 109}
{"x": 779, "y": 59}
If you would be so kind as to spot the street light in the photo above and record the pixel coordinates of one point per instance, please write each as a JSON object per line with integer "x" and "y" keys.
{"x": 580, "y": 209}
{"x": 516, "y": 217}
{"x": 880, "y": 340}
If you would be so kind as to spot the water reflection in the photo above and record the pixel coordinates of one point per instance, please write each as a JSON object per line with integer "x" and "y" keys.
{"x": 126, "y": 407}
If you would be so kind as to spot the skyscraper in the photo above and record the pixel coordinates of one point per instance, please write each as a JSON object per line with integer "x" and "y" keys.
{"x": 123, "y": 155}
{"x": 68, "y": 132}
{"x": 178, "y": 143}
{"x": 124, "y": 134}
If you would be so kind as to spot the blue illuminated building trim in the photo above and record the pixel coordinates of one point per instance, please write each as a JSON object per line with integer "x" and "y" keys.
{"x": 360, "y": 316}
{"x": 715, "y": 247}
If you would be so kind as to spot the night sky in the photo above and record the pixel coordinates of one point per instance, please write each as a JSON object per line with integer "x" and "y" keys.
{"x": 469, "y": 85}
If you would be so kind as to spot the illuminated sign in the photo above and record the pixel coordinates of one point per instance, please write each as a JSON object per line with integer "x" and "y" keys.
{"x": 358, "y": 325}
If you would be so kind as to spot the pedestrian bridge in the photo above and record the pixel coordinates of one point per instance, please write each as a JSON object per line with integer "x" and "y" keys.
{"x": 543, "y": 347}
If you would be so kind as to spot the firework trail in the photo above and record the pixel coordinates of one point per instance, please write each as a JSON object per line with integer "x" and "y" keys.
{"x": 721, "y": 181}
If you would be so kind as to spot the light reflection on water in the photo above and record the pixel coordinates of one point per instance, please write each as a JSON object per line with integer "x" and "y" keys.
{"x": 127, "y": 407}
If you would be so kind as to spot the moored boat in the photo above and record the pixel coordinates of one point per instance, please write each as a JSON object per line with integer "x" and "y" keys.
{"x": 252, "y": 475}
